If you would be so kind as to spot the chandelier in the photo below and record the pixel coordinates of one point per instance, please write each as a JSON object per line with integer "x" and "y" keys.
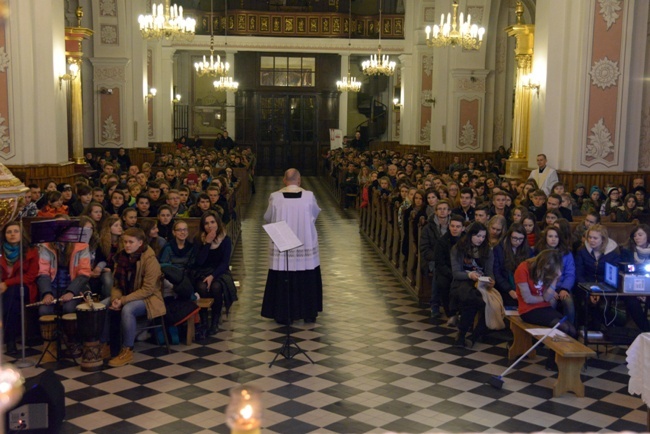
{"x": 212, "y": 68}
{"x": 225, "y": 84}
{"x": 455, "y": 32}
{"x": 349, "y": 84}
{"x": 378, "y": 64}
{"x": 168, "y": 23}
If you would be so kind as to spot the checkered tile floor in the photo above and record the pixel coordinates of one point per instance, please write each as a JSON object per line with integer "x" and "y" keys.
{"x": 381, "y": 365}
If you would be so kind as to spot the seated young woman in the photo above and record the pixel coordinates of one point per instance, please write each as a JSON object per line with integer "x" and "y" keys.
{"x": 176, "y": 259}
{"x": 637, "y": 251}
{"x": 212, "y": 274}
{"x": 136, "y": 293}
{"x": 10, "y": 264}
{"x": 536, "y": 281}
{"x": 552, "y": 239}
{"x": 590, "y": 260}
{"x": 508, "y": 254}
{"x": 150, "y": 229}
{"x": 471, "y": 258}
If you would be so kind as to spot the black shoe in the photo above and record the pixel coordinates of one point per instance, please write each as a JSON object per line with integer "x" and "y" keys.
{"x": 310, "y": 320}
{"x": 283, "y": 322}
{"x": 11, "y": 348}
{"x": 460, "y": 341}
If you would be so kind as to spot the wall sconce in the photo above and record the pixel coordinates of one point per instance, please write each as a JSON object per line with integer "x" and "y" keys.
{"x": 396, "y": 104}
{"x": 531, "y": 84}
{"x": 72, "y": 71}
{"x": 106, "y": 91}
{"x": 151, "y": 94}
{"x": 177, "y": 98}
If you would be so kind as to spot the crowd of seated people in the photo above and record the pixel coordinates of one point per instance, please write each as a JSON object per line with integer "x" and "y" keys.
{"x": 137, "y": 266}
{"x": 507, "y": 225}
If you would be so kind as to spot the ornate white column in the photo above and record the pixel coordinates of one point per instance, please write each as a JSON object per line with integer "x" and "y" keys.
{"x": 231, "y": 98}
{"x": 34, "y": 115}
{"x": 343, "y": 97}
{"x": 409, "y": 100}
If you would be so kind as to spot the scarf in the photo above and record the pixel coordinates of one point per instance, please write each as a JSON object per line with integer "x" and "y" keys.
{"x": 125, "y": 269}
{"x": 217, "y": 242}
{"x": 641, "y": 254}
{"x": 11, "y": 253}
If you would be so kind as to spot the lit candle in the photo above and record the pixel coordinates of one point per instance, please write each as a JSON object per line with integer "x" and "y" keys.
{"x": 244, "y": 413}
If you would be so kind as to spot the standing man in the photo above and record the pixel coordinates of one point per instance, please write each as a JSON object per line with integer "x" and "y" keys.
{"x": 301, "y": 285}
{"x": 545, "y": 175}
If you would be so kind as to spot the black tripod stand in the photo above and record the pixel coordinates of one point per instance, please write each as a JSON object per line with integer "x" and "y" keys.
{"x": 290, "y": 347}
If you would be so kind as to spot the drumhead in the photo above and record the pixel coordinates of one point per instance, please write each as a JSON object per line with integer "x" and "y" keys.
{"x": 69, "y": 317}
{"x": 47, "y": 318}
{"x": 86, "y": 306}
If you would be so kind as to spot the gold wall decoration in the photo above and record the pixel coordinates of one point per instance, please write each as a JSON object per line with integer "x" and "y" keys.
{"x": 313, "y": 25}
{"x": 241, "y": 22}
{"x": 288, "y": 25}
{"x": 277, "y": 24}
{"x": 326, "y": 25}
{"x": 302, "y": 24}
{"x": 336, "y": 25}
{"x": 264, "y": 24}
{"x": 252, "y": 23}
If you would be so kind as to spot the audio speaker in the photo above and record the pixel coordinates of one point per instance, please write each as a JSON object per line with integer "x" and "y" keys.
{"x": 42, "y": 408}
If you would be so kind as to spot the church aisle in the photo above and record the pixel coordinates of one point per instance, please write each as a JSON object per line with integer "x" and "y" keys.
{"x": 381, "y": 365}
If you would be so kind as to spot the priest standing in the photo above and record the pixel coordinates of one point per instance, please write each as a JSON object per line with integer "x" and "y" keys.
{"x": 301, "y": 284}
{"x": 545, "y": 175}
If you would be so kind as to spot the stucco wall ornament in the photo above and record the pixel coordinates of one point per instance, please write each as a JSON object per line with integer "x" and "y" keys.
{"x": 604, "y": 73}
{"x": 425, "y": 133}
{"x": 107, "y": 8}
{"x": 110, "y": 130}
{"x": 5, "y": 141}
{"x": 109, "y": 35}
{"x": 427, "y": 65}
{"x": 609, "y": 10}
{"x": 4, "y": 60}
{"x": 600, "y": 144}
{"x": 468, "y": 134}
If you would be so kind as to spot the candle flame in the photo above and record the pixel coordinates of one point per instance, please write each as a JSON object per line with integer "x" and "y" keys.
{"x": 246, "y": 412}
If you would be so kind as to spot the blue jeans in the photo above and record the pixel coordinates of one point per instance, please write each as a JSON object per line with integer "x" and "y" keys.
{"x": 568, "y": 308}
{"x": 435, "y": 297}
{"x": 128, "y": 318}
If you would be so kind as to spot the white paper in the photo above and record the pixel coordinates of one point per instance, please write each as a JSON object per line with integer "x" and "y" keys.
{"x": 282, "y": 236}
{"x": 541, "y": 332}
{"x": 512, "y": 312}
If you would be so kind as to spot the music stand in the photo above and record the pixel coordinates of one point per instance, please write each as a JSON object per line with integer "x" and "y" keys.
{"x": 60, "y": 231}
{"x": 285, "y": 240}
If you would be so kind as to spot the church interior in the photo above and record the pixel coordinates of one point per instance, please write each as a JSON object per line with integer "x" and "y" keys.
{"x": 291, "y": 81}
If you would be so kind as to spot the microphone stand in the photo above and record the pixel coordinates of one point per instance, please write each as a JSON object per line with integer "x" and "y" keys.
{"x": 23, "y": 362}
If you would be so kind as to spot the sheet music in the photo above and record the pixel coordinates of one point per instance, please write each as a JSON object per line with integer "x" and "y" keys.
{"x": 282, "y": 236}
{"x": 541, "y": 332}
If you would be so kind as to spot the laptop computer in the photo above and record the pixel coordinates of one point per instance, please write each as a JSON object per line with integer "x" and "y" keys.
{"x": 611, "y": 280}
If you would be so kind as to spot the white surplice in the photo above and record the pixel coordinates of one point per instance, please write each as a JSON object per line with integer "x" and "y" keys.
{"x": 300, "y": 214}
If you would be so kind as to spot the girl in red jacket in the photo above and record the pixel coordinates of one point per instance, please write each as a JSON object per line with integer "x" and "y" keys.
{"x": 10, "y": 261}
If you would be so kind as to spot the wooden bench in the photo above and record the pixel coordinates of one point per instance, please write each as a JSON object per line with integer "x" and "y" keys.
{"x": 570, "y": 356}
{"x": 202, "y": 303}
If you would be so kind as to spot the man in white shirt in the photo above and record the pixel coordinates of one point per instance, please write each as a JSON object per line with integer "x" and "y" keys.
{"x": 544, "y": 175}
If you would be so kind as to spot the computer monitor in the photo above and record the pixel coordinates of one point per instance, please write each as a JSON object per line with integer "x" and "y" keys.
{"x": 611, "y": 275}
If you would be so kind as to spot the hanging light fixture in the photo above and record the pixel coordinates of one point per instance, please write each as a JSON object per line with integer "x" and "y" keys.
{"x": 226, "y": 84}
{"x": 167, "y": 22}
{"x": 454, "y": 32}
{"x": 212, "y": 68}
{"x": 378, "y": 64}
{"x": 349, "y": 84}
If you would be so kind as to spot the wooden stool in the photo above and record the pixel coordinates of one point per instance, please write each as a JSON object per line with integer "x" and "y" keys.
{"x": 203, "y": 303}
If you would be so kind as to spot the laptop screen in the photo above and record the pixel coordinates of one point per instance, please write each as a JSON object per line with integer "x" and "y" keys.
{"x": 611, "y": 275}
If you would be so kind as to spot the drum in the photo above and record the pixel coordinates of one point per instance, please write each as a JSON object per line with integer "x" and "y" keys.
{"x": 90, "y": 319}
{"x": 48, "y": 333}
{"x": 69, "y": 326}
{"x": 48, "y": 327}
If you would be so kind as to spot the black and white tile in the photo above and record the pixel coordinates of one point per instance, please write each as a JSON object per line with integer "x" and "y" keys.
{"x": 381, "y": 365}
